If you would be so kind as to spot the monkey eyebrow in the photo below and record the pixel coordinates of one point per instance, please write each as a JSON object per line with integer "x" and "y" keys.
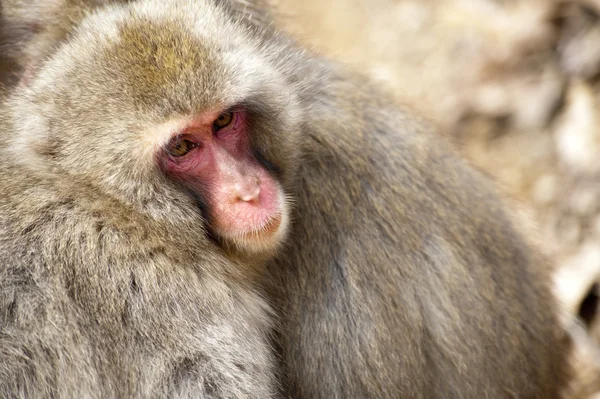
{"x": 234, "y": 109}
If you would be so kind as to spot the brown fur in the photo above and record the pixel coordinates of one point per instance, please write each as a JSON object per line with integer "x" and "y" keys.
{"x": 403, "y": 275}
{"x": 421, "y": 287}
{"x": 109, "y": 287}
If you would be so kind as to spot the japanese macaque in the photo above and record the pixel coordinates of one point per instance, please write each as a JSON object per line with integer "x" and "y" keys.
{"x": 114, "y": 152}
{"x": 174, "y": 130}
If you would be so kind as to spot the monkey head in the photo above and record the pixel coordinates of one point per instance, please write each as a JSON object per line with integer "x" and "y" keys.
{"x": 174, "y": 108}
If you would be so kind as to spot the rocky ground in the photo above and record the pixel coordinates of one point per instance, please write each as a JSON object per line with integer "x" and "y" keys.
{"x": 516, "y": 83}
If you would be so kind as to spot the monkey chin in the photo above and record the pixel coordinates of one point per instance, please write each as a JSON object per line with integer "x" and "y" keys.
{"x": 260, "y": 242}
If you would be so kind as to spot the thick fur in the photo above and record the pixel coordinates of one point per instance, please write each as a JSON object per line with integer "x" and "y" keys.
{"x": 422, "y": 287}
{"x": 109, "y": 286}
{"x": 403, "y": 275}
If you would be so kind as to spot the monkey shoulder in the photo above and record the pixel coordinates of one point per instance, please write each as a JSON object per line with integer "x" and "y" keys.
{"x": 38, "y": 322}
{"x": 84, "y": 278}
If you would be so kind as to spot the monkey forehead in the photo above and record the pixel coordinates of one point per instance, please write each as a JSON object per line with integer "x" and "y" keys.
{"x": 181, "y": 56}
{"x": 138, "y": 71}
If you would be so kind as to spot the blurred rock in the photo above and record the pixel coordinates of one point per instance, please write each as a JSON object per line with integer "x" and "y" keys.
{"x": 579, "y": 35}
{"x": 577, "y": 274}
{"x": 578, "y": 133}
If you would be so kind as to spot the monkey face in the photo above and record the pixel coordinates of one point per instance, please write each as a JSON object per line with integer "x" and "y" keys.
{"x": 162, "y": 104}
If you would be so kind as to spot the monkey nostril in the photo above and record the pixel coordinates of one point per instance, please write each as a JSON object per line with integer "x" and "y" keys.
{"x": 247, "y": 192}
{"x": 252, "y": 196}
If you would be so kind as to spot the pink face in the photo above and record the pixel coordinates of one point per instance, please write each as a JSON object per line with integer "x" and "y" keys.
{"x": 213, "y": 157}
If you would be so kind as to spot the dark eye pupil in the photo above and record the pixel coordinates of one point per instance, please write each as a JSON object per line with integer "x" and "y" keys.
{"x": 223, "y": 120}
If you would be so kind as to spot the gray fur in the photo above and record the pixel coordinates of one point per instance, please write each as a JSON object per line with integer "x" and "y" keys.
{"x": 404, "y": 275}
{"x": 109, "y": 287}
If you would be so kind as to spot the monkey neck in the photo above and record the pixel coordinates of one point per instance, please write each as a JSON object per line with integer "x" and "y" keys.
{"x": 256, "y": 259}
{"x": 252, "y": 264}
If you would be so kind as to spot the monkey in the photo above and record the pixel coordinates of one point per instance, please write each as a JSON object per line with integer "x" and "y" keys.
{"x": 5, "y": 65}
{"x": 110, "y": 286}
{"x": 404, "y": 274}
{"x": 394, "y": 267}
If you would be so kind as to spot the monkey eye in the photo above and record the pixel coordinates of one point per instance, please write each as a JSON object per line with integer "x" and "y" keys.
{"x": 179, "y": 147}
{"x": 223, "y": 120}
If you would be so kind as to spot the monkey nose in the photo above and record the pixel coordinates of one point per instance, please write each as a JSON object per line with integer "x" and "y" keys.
{"x": 248, "y": 191}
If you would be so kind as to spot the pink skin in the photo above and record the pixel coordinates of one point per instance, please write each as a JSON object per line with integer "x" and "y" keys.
{"x": 242, "y": 197}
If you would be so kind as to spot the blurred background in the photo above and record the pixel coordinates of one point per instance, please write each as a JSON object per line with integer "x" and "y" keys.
{"x": 516, "y": 84}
